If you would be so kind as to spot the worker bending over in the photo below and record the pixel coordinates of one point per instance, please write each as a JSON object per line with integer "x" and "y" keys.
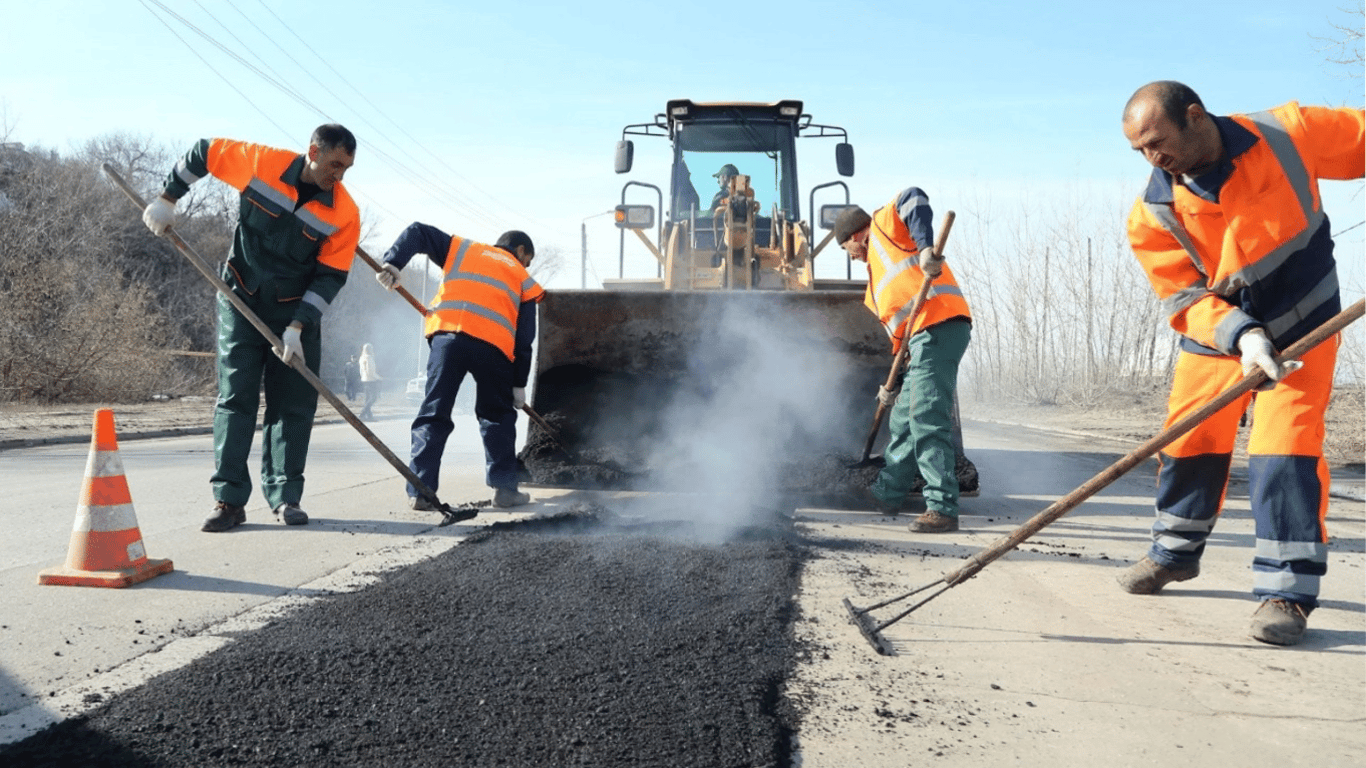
{"x": 482, "y": 322}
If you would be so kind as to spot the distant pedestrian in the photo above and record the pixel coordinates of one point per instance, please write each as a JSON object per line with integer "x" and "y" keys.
{"x": 370, "y": 380}
{"x": 897, "y": 244}
{"x": 351, "y": 372}
{"x": 1231, "y": 233}
{"x": 483, "y": 322}
{"x": 297, "y": 232}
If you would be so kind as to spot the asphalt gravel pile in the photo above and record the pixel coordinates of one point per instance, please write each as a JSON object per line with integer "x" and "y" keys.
{"x": 574, "y": 640}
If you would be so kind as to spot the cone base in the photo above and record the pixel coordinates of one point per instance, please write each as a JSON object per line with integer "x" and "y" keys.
{"x": 119, "y": 577}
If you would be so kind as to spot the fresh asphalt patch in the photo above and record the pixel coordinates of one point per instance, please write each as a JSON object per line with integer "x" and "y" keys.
{"x": 562, "y": 641}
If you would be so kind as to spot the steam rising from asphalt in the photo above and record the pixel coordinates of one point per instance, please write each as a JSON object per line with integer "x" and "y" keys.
{"x": 762, "y": 392}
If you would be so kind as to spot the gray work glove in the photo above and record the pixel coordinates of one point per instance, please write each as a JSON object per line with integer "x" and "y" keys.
{"x": 518, "y": 397}
{"x": 886, "y": 396}
{"x": 158, "y": 215}
{"x": 388, "y": 277}
{"x": 1258, "y": 353}
{"x": 931, "y": 263}
{"x": 293, "y": 345}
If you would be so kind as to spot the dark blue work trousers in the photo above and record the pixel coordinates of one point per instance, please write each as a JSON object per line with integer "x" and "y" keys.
{"x": 452, "y": 356}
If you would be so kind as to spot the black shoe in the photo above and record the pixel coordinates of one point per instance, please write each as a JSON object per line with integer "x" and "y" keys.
{"x": 510, "y": 497}
{"x": 290, "y": 514}
{"x": 225, "y": 517}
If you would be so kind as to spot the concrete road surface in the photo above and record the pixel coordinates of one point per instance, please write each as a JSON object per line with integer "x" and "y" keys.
{"x": 1039, "y": 660}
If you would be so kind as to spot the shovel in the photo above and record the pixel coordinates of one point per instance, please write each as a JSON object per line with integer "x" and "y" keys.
{"x": 899, "y": 361}
{"x": 448, "y": 514}
{"x": 872, "y": 629}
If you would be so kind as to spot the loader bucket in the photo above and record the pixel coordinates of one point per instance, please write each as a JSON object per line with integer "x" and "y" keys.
{"x": 653, "y": 390}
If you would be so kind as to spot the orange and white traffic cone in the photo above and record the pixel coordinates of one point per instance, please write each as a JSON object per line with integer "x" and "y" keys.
{"x": 106, "y": 545}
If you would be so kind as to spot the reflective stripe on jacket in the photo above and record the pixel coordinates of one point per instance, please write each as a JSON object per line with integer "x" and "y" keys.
{"x": 483, "y": 288}
{"x": 1262, "y": 254}
{"x": 894, "y": 278}
{"x": 305, "y": 253}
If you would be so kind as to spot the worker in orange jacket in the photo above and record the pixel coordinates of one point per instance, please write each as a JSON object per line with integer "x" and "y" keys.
{"x": 1233, "y": 237}
{"x": 897, "y": 243}
{"x": 297, "y": 232}
{"x": 482, "y": 323}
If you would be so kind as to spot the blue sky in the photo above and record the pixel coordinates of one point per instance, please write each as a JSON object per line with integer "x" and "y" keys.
{"x": 477, "y": 117}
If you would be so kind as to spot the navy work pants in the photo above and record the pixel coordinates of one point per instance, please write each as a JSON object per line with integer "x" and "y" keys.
{"x": 452, "y": 356}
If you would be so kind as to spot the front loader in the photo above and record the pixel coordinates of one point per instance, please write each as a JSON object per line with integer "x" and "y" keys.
{"x": 733, "y": 363}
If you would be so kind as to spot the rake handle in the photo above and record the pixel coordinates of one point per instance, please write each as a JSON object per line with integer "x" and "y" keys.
{"x": 401, "y": 291}
{"x": 1145, "y": 451}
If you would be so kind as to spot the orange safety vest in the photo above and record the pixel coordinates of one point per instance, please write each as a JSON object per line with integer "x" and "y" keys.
{"x": 1261, "y": 255}
{"x": 256, "y": 170}
{"x": 894, "y": 280}
{"x": 483, "y": 288}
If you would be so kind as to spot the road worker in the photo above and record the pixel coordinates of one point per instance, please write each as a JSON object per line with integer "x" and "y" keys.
{"x": 897, "y": 244}
{"x": 1232, "y": 235}
{"x": 297, "y": 232}
{"x": 482, "y": 322}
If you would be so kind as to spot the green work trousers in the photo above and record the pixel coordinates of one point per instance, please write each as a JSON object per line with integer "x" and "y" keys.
{"x": 245, "y": 361}
{"x": 921, "y": 420}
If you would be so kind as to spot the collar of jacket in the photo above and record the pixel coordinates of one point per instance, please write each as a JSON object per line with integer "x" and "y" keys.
{"x": 294, "y": 172}
{"x": 1237, "y": 140}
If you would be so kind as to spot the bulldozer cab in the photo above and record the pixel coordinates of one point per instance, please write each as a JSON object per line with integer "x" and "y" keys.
{"x": 732, "y": 214}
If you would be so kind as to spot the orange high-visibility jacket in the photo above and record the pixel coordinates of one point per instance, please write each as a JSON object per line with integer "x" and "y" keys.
{"x": 483, "y": 288}
{"x": 1262, "y": 255}
{"x": 305, "y": 253}
{"x": 894, "y": 279}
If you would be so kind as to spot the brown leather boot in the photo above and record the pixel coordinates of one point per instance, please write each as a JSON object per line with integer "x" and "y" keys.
{"x": 934, "y": 522}
{"x": 1147, "y": 577}
{"x": 1280, "y": 622}
{"x": 225, "y": 517}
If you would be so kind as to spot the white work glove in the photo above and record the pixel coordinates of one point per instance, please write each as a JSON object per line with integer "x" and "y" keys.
{"x": 293, "y": 345}
{"x": 1258, "y": 353}
{"x": 886, "y": 396}
{"x": 158, "y": 215}
{"x": 518, "y": 397}
{"x": 931, "y": 263}
{"x": 388, "y": 277}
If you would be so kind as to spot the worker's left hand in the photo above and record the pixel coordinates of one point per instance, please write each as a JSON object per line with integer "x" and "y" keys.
{"x": 388, "y": 276}
{"x": 293, "y": 345}
{"x": 886, "y": 396}
{"x": 518, "y": 397}
{"x": 931, "y": 263}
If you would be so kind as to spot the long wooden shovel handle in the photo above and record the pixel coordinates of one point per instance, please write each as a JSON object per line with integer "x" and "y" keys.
{"x": 401, "y": 291}
{"x": 899, "y": 361}
{"x": 1064, "y": 505}
{"x": 296, "y": 363}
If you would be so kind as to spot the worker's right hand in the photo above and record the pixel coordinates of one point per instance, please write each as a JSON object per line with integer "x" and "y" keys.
{"x": 388, "y": 276}
{"x": 886, "y": 396}
{"x": 158, "y": 215}
{"x": 518, "y": 397}
{"x": 293, "y": 345}
{"x": 1258, "y": 353}
{"x": 931, "y": 263}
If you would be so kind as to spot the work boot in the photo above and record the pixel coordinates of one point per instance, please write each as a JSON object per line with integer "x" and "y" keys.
{"x": 420, "y": 504}
{"x": 934, "y": 522}
{"x": 225, "y": 516}
{"x": 509, "y": 497}
{"x": 1279, "y": 622}
{"x": 290, "y": 514}
{"x": 1147, "y": 577}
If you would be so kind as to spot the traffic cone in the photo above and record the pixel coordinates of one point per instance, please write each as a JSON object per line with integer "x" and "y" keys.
{"x": 106, "y": 545}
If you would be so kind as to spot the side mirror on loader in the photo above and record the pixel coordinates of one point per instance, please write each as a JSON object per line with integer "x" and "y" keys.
{"x": 635, "y": 216}
{"x": 829, "y": 213}
{"x": 844, "y": 158}
{"x": 626, "y": 152}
